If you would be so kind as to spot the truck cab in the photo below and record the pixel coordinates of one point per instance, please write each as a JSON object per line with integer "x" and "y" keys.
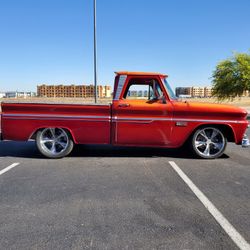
{"x": 142, "y": 110}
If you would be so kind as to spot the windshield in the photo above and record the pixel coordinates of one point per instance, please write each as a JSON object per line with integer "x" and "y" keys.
{"x": 169, "y": 90}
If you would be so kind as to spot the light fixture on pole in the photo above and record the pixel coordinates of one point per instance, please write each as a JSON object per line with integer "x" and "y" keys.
{"x": 95, "y": 53}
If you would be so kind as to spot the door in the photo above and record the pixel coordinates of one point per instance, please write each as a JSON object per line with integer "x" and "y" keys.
{"x": 142, "y": 116}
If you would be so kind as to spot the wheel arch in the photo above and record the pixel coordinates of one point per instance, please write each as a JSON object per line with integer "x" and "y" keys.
{"x": 226, "y": 129}
{"x": 34, "y": 133}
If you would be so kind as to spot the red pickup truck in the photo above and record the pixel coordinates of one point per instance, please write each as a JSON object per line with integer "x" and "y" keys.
{"x": 153, "y": 117}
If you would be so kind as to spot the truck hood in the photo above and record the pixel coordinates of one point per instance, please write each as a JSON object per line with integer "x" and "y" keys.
{"x": 208, "y": 110}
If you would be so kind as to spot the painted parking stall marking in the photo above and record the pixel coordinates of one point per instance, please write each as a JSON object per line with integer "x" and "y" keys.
{"x": 9, "y": 168}
{"x": 224, "y": 223}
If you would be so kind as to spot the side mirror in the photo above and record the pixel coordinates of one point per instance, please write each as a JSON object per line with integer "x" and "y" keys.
{"x": 164, "y": 100}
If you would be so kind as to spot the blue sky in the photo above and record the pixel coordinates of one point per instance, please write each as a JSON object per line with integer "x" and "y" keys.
{"x": 51, "y": 41}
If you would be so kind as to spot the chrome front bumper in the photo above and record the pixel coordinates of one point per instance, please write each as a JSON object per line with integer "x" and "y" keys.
{"x": 245, "y": 141}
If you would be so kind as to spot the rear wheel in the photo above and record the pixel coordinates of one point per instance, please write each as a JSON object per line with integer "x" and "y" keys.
{"x": 54, "y": 142}
{"x": 208, "y": 143}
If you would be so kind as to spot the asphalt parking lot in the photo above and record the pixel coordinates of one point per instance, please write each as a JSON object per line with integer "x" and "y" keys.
{"x": 121, "y": 198}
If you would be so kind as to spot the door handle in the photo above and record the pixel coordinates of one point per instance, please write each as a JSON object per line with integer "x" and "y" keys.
{"x": 124, "y": 105}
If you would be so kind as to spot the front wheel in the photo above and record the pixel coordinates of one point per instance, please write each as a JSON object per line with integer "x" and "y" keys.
{"x": 208, "y": 143}
{"x": 54, "y": 142}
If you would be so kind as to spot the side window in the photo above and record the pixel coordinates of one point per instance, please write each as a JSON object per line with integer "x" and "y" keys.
{"x": 143, "y": 89}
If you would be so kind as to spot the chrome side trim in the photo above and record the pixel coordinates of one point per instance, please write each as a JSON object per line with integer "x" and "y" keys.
{"x": 151, "y": 119}
{"x": 59, "y": 119}
{"x": 63, "y": 116}
{"x": 141, "y": 121}
{"x": 212, "y": 121}
{"x": 201, "y": 120}
{"x": 109, "y": 118}
{"x": 55, "y": 117}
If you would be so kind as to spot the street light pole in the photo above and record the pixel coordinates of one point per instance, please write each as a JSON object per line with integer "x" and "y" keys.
{"x": 95, "y": 53}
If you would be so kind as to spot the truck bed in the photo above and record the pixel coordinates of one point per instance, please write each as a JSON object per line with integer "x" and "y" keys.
{"x": 88, "y": 123}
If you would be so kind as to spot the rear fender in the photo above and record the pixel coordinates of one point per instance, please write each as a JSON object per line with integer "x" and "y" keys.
{"x": 33, "y": 134}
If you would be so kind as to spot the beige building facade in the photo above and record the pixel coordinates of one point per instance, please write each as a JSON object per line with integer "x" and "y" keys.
{"x": 74, "y": 91}
{"x": 194, "y": 91}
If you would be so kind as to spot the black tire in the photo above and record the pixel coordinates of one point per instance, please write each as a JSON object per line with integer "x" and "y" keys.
{"x": 54, "y": 143}
{"x": 208, "y": 142}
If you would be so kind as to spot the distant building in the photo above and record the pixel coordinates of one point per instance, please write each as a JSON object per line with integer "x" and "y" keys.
{"x": 81, "y": 91}
{"x": 11, "y": 94}
{"x": 2, "y": 94}
{"x": 198, "y": 92}
{"x": 17, "y": 94}
{"x": 208, "y": 91}
{"x": 183, "y": 91}
{"x": 140, "y": 93}
{"x": 133, "y": 93}
{"x": 246, "y": 93}
{"x": 193, "y": 91}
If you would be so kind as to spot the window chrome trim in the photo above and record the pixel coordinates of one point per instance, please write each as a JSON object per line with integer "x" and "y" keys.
{"x": 121, "y": 82}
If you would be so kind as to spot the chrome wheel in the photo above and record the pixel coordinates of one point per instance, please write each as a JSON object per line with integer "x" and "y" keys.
{"x": 209, "y": 143}
{"x": 54, "y": 142}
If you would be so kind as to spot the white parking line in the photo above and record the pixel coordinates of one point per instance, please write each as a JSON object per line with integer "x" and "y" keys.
{"x": 224, "y": 223}
{"x": 9, "y": 168}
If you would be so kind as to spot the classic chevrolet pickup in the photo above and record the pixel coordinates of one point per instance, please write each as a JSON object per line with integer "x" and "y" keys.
{"x": 152, "y": 118}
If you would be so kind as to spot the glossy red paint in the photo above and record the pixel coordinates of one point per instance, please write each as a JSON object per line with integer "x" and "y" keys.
{"x": 201, "y": 114}
{"x": 142, "y": 122}
{"x": 156, "y": 123}
{"x": 88, "y": 124}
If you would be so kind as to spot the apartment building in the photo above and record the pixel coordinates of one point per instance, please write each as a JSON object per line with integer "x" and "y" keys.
{"x": 133, "y": 93}
{"x": 208, "y": 91}
{"x": 194, "y": 91}
{"x": 183, "y": 91}
{"x": 19, "y": 94}
{"x": 81, "y": 91}
{"x": 198, "y": 92}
